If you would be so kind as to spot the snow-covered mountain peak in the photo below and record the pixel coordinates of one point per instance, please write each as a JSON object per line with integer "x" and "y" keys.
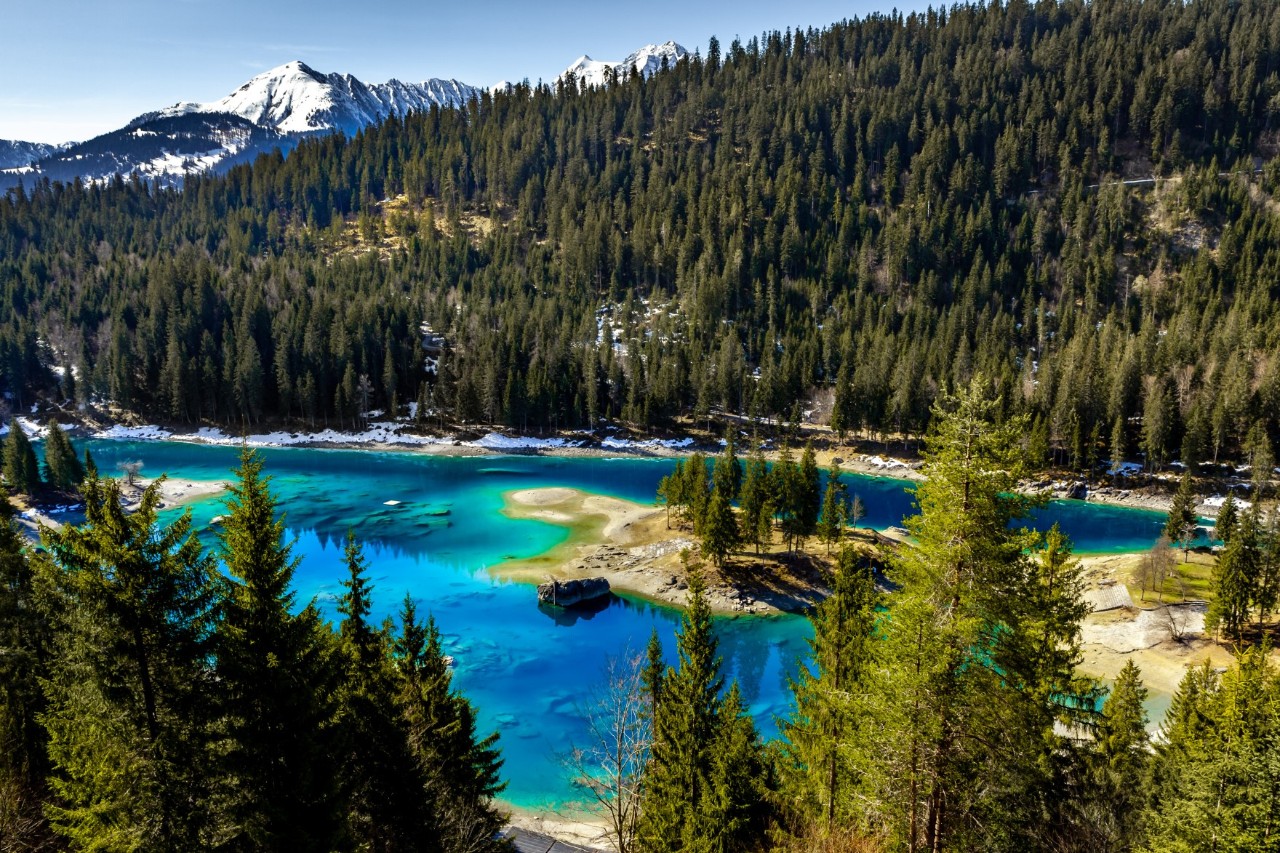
{"x": 296, "y": 98}
{"x": 645, "y": 61}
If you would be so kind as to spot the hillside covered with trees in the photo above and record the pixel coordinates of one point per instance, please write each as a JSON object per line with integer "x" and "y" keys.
{"x": 868, "y": 213}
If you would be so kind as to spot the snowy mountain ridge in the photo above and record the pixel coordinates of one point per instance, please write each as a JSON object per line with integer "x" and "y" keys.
{"x": 275, "y": 109}
{"x": 645, "y": 62}
{"x": 295, "y": 98}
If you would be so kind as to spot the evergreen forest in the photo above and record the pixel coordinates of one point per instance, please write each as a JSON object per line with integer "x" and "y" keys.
{"x": 857, "y": 218}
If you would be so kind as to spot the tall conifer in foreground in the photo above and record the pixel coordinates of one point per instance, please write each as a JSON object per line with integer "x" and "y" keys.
{"x": 972, "y": 681}
{"x": 819, "y": 771}
{"x": 24, "y": 659}
{"x": 460, "y": 769}
{"x": 387, "y": 807}
{"x": 1122, "y": 755}
{"x": 130, "y": 694}
{"x": 705, "y": 784}
{"x": 277, "y": 673}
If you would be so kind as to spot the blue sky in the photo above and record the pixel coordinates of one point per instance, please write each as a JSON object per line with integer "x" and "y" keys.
{"x": 77, "y": 68}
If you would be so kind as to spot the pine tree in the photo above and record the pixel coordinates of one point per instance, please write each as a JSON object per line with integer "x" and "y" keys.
{"x": 1122, "y": 756}
{"x": 809, "y": 496}
{"x": 719, "y": 529}
{"x": 727, "y": 473}
{"x": 21, "y": 472}
{"x": 1215, "y": 780}
{"x": 947, "y": 712}
{"x": 1235, "y": 580}
{"x": 1228, "y": 516}
{"x": 130, "y": 694}
{"x": 384, "y": 787}
{"x": 733, "y": 811}
{"x": 278, "y": 674}
{"x": 788, "y": 498}
{"x": 1180, "y": 526}
{"x": 686, "y": 716}
{"x": 819, "y": 771}
{"x": 25, "y": 641}
{"x": 696, "y": 491}
{"x": 835, "y": 510}
{"x": 756, "y": 515}
{"x": 62, "y": 468}
{"x": 460, "y": 769}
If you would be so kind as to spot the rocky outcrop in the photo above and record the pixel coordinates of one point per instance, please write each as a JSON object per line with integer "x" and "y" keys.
{"x": 569, "y": 593}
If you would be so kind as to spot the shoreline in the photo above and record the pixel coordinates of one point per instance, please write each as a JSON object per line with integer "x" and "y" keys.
{"x": 174, "y": 492}
{"x": 385, "y": 437}
{"x": 630, "y": 545}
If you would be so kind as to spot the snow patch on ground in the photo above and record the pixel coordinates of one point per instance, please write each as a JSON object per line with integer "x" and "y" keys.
{"x": 33, "y": 428}
{"x": 1217, "y": 501}
{"x": 498, "y": 441}
{"x": 886, "y": 464}
{"x": 627, "y": 444}
{"x": 377, "y": 433}
{"x": 138, "y": 433}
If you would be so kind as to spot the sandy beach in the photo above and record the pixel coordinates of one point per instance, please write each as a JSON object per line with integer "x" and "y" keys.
{"x": 631, "y": 545}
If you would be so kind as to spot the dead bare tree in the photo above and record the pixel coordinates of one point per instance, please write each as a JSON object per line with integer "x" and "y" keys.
{"x": 609, "y": 765}
{"x": 1154, "y": 567}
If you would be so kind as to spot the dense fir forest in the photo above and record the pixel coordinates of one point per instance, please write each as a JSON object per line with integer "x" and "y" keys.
{"x": 866, "y": 214}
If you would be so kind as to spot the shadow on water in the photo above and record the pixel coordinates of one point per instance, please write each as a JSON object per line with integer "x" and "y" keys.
{"x": 567, "y": 617}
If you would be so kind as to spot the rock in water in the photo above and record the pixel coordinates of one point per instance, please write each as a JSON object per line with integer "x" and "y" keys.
{"x": 569, "y": 593}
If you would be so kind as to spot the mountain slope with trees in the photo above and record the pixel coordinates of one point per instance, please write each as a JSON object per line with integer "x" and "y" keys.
{"x": 873, "y": 211}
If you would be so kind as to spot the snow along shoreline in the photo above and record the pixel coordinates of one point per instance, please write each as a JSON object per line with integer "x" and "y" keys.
{"x": 388, "y": 435}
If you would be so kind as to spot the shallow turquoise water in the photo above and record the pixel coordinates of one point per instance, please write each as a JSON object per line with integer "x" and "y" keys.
{"x": 525, "y": 669}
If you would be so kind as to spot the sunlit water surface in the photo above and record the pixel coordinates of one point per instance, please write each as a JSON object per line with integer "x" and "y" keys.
{"x": 527, "y": 670}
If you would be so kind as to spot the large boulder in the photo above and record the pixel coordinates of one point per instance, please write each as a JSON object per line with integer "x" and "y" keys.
{"x": 569, "y": 593}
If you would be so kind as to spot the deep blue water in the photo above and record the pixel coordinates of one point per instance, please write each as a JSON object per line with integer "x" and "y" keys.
{"x": 526, "y": 670}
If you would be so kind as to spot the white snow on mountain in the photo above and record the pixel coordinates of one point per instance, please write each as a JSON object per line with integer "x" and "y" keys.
{"x": 295, "y": 98}
{"x": 644, "y": 62}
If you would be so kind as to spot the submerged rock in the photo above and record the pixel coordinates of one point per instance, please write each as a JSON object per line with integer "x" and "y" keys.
{"x": 569, "y": 593}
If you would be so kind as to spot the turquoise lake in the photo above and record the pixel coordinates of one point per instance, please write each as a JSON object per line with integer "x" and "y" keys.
{"x": 526, "y": 669}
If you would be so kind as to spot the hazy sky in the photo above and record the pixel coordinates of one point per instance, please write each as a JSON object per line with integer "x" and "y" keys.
{"x": 75, "y": 68}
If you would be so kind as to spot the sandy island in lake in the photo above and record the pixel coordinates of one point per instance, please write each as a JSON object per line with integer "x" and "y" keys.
{"x": 631, "y": 545}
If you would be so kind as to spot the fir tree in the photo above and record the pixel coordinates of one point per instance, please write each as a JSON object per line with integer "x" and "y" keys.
{"x": 946, "y": 708}
{"x": 21, "y": 471}
{"x": 1235, "y": 580}
{"x": 835, "y": 510}
{"x": 62, "y": 468}
{"x": 819, "y": 770}
{"x": 1122, "y": 755}
{"x": 25, "y": 639}
{"x": 130, "y": 694}
{"x": 756, "y": 514}
{"x": 277, "y": 673}
{"x": 1180, "y": 526}
{"x": 1228, "y": 516}
{"x": 727, "y": 473}
{"x": 460, "y": 769}
{"x": 719, "y": 529}
{"x": 686, "y": 718}
{"x": 383, "y": 784}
